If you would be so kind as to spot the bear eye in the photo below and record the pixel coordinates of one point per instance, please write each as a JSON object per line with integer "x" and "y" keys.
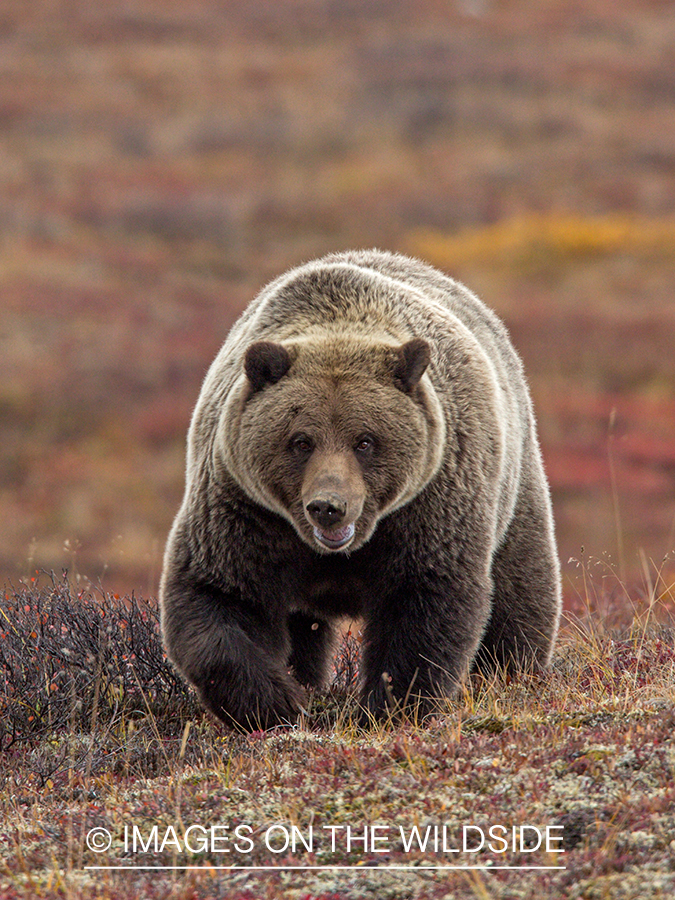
{"x": 301, "y": 444}
{"x": 364, "y": 444}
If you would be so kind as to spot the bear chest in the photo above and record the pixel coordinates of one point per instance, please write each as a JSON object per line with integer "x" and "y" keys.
{"x": 330, "y": 586}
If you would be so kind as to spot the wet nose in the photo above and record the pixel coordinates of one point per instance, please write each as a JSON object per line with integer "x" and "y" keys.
{"x": 328, "y": 511}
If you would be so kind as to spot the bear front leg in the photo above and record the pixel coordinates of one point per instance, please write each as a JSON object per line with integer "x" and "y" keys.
{"x": 418, "y": 646}
{"x": 235, "y": 658}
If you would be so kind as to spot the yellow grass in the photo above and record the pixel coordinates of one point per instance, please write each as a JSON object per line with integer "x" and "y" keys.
{"x": 557, "y": 235}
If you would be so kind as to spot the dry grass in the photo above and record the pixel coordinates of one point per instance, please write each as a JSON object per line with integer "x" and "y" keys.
{"x": 586, "y": 748}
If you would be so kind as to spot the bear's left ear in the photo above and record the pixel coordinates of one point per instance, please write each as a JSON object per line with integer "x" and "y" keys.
{"x": 266, "y": 363}
{"x": 412, "y": 360}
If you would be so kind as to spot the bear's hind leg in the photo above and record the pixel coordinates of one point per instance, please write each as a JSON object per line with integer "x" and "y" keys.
{"x": 312, "y": 643}
{"x": 526, "y": 594}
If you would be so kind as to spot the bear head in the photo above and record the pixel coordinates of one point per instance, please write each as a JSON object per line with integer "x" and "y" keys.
{"x": 333, "y": 432}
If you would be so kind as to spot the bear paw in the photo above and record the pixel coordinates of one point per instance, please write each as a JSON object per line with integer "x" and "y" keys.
{"x": 381, "y": 705}
{"x": 265, "y": 701}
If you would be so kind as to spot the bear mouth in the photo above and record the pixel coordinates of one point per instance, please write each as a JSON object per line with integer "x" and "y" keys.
{"x": 335, "y": 539}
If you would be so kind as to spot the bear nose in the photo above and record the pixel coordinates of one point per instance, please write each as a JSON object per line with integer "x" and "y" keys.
{"x": 327, "y": 512}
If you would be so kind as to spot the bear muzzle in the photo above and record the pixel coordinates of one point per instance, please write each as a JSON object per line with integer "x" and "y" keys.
{"x": 327, "y": 511}
{"x": 326, "y": 514}
{"x": 333, "y": 495}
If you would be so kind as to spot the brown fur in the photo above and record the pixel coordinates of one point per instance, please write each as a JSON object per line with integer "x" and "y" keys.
{"x": 364, "y": 444}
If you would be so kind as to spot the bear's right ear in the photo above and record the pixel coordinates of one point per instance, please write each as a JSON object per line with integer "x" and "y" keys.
{"x": 266, "y": 363}
{"x": 412, "y": 360}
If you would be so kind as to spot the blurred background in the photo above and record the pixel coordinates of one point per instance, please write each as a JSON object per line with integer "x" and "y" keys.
{"x": 160, "y": 160}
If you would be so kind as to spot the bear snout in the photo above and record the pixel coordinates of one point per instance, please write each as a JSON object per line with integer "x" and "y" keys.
{"x": 332, "y": 500}
{"x": 327, "y": 511}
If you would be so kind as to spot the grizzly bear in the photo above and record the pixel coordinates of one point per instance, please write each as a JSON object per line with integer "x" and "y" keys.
{"x": 363, "y": 446}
